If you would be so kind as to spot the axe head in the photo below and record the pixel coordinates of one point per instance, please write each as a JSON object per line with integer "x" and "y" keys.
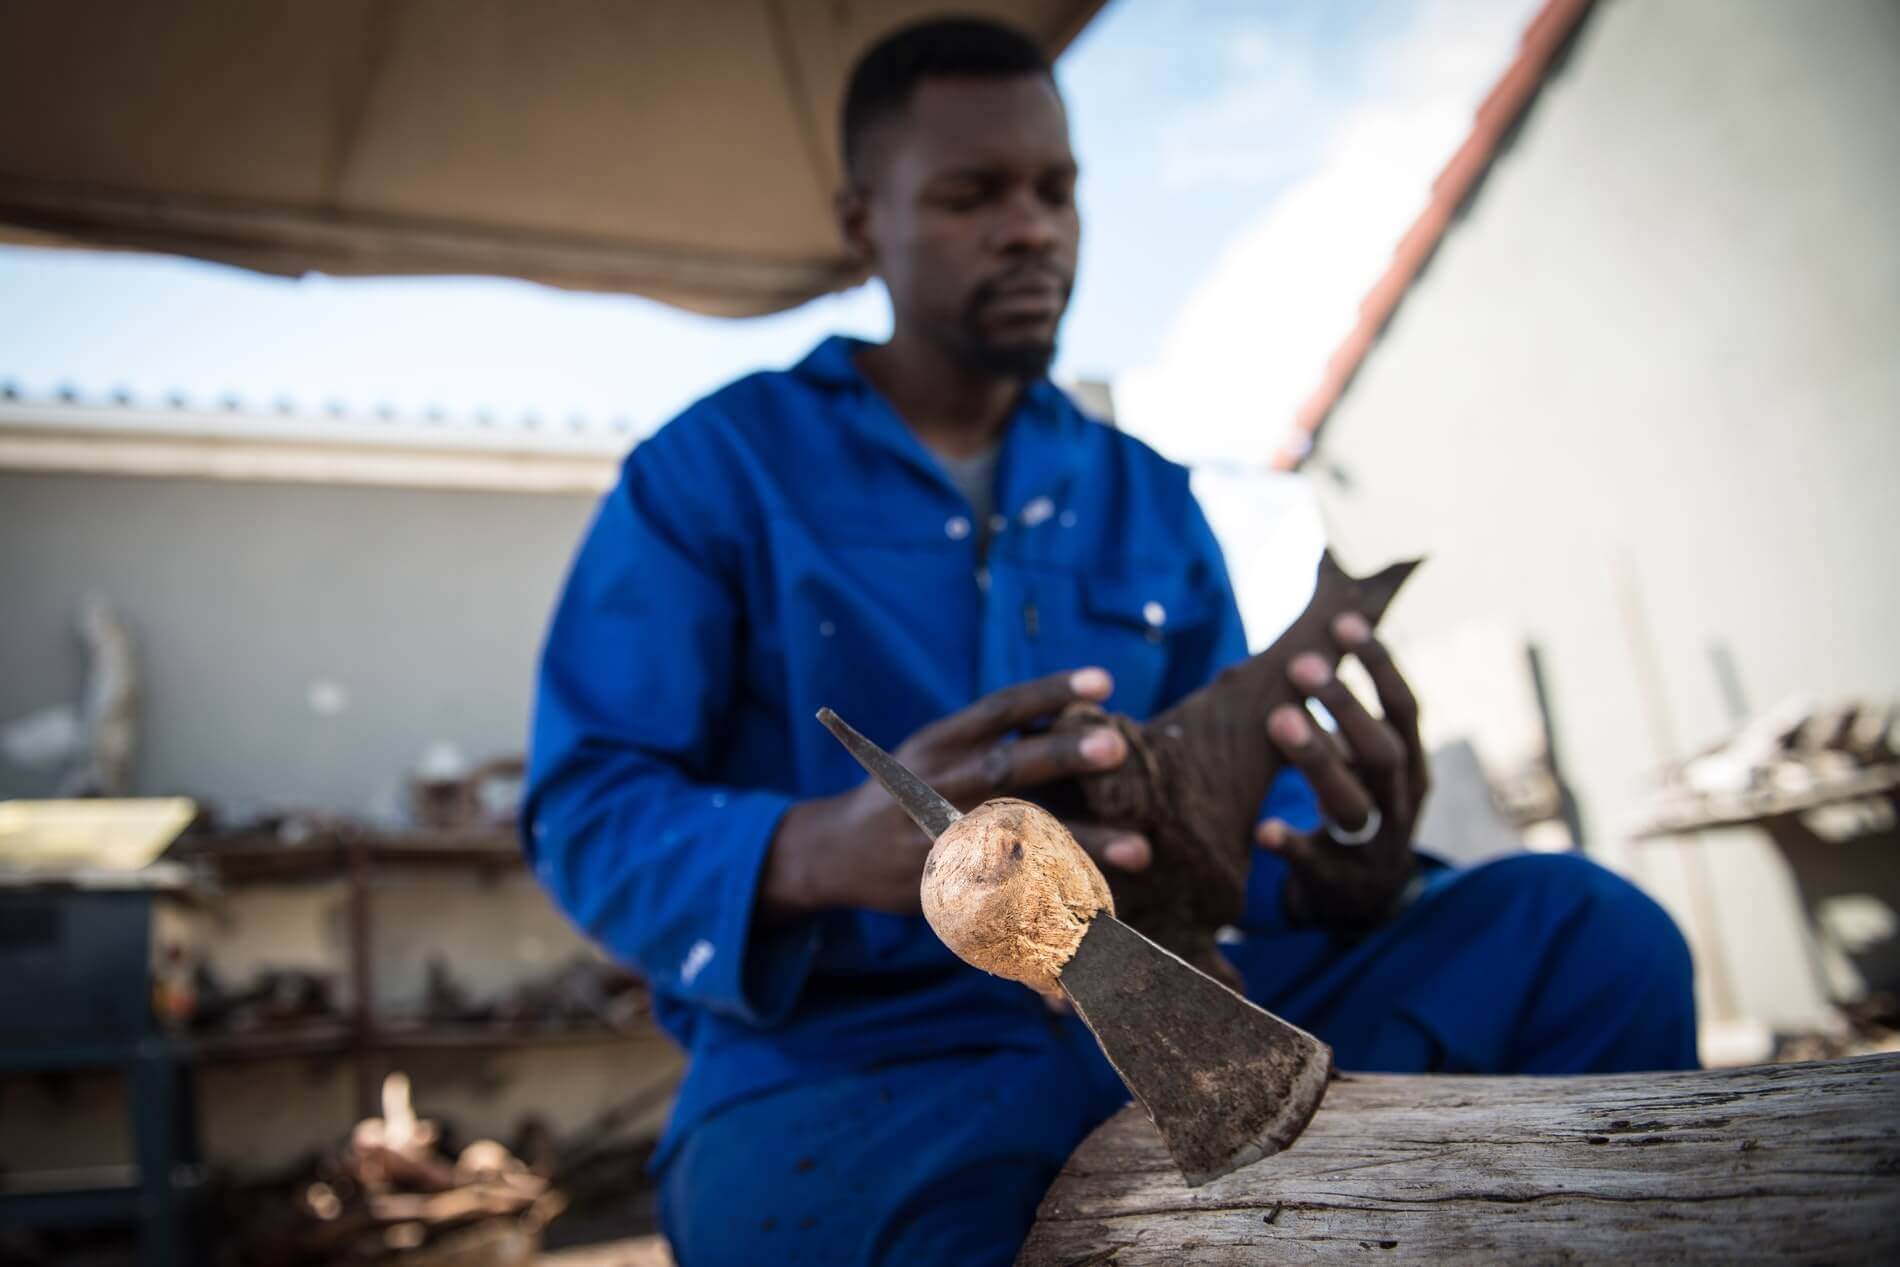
{"x": 1224, "y": 1081}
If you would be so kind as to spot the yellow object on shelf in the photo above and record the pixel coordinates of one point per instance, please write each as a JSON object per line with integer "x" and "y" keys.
{"x": 38, "y": 837}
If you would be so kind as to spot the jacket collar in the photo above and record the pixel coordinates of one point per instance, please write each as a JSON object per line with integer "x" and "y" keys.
{"x": 1041, "y": 445}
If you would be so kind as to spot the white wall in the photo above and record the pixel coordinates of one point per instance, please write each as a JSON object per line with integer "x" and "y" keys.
{"x": 425, "y": 607}
{"x": 1654, "y": 368}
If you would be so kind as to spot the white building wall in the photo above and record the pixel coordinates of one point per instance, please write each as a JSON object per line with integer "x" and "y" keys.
{"x": 1646, "y": 398}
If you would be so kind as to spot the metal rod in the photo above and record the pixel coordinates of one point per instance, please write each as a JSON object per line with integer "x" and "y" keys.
{"x": 916, "y": 797}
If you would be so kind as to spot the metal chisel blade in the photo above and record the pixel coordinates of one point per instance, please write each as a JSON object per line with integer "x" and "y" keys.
{"x": 918, "y": 799}
{"x": 1225, "y": 1082}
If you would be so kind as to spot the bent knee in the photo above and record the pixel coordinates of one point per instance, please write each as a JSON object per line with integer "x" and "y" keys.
{"x": 1595, "y": 902}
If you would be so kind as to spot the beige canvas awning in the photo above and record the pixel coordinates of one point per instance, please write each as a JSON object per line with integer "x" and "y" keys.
{"x": 679, "y": 149}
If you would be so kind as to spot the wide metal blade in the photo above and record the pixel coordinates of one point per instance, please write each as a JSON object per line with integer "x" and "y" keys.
{"x": 1225, "y": 1082}
{"x": 918, "y": 799}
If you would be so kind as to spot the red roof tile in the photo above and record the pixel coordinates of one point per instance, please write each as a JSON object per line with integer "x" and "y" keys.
{"x": 1508, "y": 99}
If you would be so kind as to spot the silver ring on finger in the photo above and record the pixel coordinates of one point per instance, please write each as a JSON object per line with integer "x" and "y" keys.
{"x": 1360, "y": 834}
{"x": 996, "y": 768}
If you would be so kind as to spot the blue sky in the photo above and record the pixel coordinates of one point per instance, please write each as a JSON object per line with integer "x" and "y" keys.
{"x": 1191, "y": 117}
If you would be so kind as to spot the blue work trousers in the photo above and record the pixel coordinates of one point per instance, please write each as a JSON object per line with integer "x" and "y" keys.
{"x": 1531, "y": 964}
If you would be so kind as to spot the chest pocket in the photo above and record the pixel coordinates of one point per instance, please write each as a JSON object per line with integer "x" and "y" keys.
{"x": 1136, "y": 625}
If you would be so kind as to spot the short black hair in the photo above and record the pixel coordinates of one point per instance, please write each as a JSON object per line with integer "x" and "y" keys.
{"x": 886, "y": 76}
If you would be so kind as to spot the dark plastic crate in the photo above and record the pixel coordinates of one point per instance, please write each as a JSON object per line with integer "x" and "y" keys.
{"x": 75, "y": 964}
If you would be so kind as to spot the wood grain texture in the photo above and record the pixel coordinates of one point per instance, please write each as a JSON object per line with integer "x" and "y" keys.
{"x": 1783, "y": 1163}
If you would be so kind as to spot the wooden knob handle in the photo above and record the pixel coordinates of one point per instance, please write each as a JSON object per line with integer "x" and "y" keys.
{"x": 1007, "y": 888}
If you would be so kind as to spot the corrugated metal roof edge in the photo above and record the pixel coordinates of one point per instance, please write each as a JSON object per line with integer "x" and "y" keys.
{"x": 232, "y": 416}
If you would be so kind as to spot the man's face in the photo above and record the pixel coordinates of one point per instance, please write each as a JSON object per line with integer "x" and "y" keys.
{"x": 968, "y": 215}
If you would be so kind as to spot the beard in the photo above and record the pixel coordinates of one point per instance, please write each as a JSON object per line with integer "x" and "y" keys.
{"x": 1024, "y": 358}
{"x": 1011, "y": 360}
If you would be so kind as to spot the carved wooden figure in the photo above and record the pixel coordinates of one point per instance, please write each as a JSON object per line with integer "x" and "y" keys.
{"x": 1196, "y": 775}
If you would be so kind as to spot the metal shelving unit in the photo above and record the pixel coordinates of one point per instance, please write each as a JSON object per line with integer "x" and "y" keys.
{"x": 355, "y": 858}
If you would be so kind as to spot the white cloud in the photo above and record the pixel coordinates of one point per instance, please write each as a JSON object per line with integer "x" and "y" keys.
{"x": 1270, "y": 528}
{"x": 1264, "y": 121}
{"x": 1251, "y": 341}
{"x": 1250, "y": 50}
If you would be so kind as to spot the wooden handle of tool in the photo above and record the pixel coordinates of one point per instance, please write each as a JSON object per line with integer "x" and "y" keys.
{"x": 1007, "y": 888}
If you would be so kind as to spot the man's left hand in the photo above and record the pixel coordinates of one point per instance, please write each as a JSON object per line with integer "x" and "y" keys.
{"x": 1371, "y": 781}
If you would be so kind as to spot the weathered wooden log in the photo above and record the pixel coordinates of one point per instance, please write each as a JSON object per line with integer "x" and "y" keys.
{"x": 1783, "y": 1163}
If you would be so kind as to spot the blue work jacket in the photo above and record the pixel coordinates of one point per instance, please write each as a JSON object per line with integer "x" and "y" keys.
{"x": 786, "y": 544}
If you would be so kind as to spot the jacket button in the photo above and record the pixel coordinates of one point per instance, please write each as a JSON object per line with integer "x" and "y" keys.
{"x": 956, "y": 528}
{"x": 1154, "y": 613}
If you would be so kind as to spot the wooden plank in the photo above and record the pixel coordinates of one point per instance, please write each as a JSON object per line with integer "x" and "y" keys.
{"x": 406, "y": 1036}
{"x": 289, "y": 1041}
{"x": 1679, "y": 811}
{"x": 248, "y": 860}
{"x": 338, "y": 1037}
{"x": 1784, "y": 1163}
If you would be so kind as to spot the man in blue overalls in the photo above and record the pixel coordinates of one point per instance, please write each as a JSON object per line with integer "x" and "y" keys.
{"x": 899, "y": 530}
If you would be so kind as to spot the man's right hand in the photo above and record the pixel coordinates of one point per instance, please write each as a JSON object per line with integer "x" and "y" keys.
{"x": 858, "y": 849}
